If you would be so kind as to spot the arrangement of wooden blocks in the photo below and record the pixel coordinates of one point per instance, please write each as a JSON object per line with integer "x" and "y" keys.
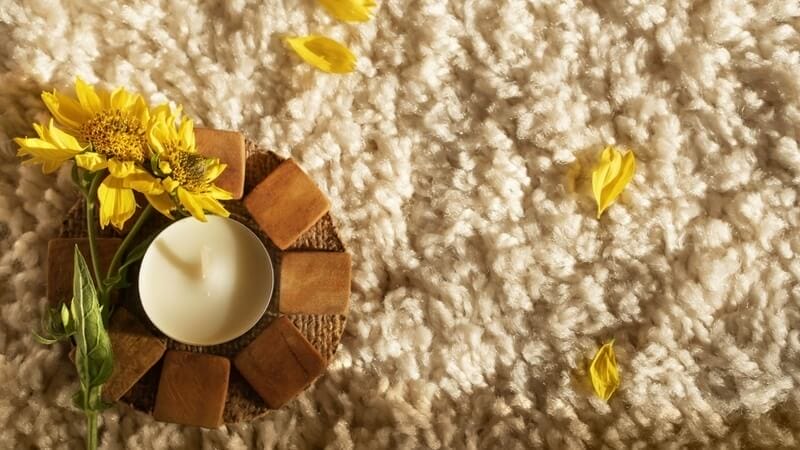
{"x": 279, "y": 363}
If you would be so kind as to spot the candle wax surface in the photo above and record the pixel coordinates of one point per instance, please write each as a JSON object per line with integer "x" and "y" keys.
{"x": 205, "y": 283}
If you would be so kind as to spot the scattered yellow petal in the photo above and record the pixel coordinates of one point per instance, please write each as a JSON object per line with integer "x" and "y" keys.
{"x": 610, "y": 176}
{"x": 603, "y": 370}
{"x": 349, "y": 10}
{"x": 91, "y": 161}
{"x": 323, "y": 53}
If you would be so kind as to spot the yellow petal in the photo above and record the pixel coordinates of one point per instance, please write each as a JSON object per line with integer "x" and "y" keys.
{"x": 87, "y": 96}
{"x": 610, "y": 176}
{"x": 121, "y": 169}
{"x": 142, "y": 181}
{"x": 598, "y": 179}
{"x": 213, "y": 169}
{"x": 91, "y": 161}
{"x": 169, "y": 184}
{"x": 219, "y": 193}
{"x": 624, "y": 176}
{"x": 121, "y": 99}
{"x": 156, "y": 137}
{"x": 51, "y": 149}
{"x": 323, "y": 53}
{"x": 603, "y": 371}
{"x": 161, "y": 130}
{"x": 141, "y": 109}
{"x": 211, "y": 205}
{"x": 191, "y": 203}
{"x": 61, "y": 139}
{"x": 186, "y": 134}
{"x": 117, "y": 203}
{"x": 349, "y": 10}
{"x": 65, "y": 110}
{"x": 162, "y": 203}
{"x": 164, "y": 167}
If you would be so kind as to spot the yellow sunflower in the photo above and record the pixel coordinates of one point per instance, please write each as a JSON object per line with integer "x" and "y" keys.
{"x": 101, "y": 130}
{"x": 187, "y": 176}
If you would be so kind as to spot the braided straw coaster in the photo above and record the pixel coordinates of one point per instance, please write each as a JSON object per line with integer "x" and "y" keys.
{"x": 322, "y": 331}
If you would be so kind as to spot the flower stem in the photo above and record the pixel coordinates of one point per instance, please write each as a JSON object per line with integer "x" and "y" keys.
{"x": 91, "y": 399}
{"x": 91, "y": 228}
{"x": 91, "y": 430}
{"x": 117, "y": 260}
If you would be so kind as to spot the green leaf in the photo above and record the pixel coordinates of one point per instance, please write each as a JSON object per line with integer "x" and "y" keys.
{"x": 93, "y": 358}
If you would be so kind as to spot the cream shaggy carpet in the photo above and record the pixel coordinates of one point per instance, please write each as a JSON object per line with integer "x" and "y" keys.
{"x": 456, "y": 158}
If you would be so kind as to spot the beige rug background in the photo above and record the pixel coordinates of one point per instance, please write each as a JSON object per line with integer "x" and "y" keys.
{"x": 456, "y": 160}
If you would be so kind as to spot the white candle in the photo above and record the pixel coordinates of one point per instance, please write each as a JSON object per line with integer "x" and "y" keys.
{"x": 205, "y": 283}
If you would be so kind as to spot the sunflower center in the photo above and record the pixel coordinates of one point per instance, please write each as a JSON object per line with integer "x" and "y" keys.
{"x": 188, "y": 169}
{"x": 116, "y": 135}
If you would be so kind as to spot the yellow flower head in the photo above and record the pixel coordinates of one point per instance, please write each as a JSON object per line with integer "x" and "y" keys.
{"x": 610, "y": 176}
{"x": 349, "y": 10}
{"x": 112, "y": 124}
{"x": 187, "y": 176}
{"x": 323, "y": 53}
{"x": 99, "y": 130}
{"x": 603, "y": 371}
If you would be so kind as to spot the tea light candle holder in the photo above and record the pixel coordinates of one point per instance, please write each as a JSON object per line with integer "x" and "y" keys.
{"x": 206, "y": 283}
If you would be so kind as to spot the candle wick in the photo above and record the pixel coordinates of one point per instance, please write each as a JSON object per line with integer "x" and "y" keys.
{"x": 205, "y": 261}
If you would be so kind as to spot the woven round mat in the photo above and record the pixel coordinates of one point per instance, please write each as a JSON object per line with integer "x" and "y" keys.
{"x": 322, "y": 331}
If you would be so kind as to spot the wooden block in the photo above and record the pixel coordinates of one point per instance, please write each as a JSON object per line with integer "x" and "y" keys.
{"x": 286, "y": 204}
{"x": 279, "y": 363}
{"x": 193, "y": 389}
{"x": 136, "y": 350}
{"x": 314, "y": 283}
{"x": 60, "y": 263}
{"x": 229, "y": 147}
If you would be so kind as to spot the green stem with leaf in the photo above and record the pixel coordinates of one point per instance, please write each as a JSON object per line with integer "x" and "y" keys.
{"x": 91, "y": 305}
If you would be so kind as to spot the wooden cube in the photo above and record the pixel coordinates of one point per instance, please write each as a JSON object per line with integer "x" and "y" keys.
{"x": 229, "y": 148}
{"x": 314, "y": 283}
{"x": 136, "y": 350}
{"x": 60, "y": 254}
{"x": 279, "y": 363}
{"x": 286, "y": 204}
{"x": 193, "y": 389}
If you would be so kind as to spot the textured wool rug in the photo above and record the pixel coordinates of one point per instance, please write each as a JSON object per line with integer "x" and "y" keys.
{"x": 457, "y": 159}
